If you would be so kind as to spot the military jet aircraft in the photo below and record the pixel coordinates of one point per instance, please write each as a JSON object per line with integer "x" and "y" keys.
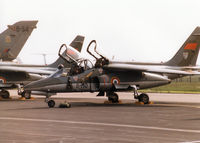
{"x": 13, "y": 39}
{"x": 14, "y": 75}
{"x": 109, "y": 77}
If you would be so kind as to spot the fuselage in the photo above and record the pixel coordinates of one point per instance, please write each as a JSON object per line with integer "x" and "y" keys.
{"x": 103, "y": 80}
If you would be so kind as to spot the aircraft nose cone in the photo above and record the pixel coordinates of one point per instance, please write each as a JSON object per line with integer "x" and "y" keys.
{"x": 36, "y": 85}
{"x": 31, "y": 86}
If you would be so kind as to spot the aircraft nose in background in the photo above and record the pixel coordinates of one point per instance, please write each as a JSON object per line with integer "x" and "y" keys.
{"x": 36, "y": 84}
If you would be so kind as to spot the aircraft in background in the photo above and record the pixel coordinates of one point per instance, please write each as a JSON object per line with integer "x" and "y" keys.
{"x": 14, "y": 75}
{"x": 109, "y": 77}
{"x": 13, "y": 39}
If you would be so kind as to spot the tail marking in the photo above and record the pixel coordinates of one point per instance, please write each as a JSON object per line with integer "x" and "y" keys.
{"x": 191, "y": 46}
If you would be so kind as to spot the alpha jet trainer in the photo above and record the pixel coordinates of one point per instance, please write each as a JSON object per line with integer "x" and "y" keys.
{"x": 14, "y": 75}
{"x": 109, "y": 77}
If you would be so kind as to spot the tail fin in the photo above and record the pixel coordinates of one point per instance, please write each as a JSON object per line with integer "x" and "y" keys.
{"x": 188, "y": 53}
{"x": 77, "y": 44}
{"x": 13, "y": 39}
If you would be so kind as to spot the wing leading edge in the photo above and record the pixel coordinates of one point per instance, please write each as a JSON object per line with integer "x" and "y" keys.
{"x": 160, "y": 69}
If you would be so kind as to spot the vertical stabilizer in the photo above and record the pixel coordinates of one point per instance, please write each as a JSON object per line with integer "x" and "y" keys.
{"x": 188, "y": 53}
{"x": 13, "y": 39}
{"x": 77, "y": 44}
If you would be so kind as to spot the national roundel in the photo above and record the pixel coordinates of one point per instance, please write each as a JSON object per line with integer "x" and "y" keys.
{"x": 115, "y": 80}
{"x": 2, "y": 80}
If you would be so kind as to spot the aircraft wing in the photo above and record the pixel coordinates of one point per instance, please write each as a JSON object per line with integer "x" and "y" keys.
{"x": 26, "y": 70}
{"x": 151, "y": 68}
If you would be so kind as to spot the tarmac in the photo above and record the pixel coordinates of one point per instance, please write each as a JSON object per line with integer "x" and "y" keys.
{"x": 171, "y": 118}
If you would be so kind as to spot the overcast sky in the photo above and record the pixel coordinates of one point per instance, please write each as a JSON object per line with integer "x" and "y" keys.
{"x": 139, "y": 30}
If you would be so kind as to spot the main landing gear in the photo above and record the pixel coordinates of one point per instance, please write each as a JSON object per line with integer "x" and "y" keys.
{"x": 112, "y": 97}
{"x": 4, "y": 94}
{"x": 143, "y": 97}
{"x": 26, "y": 95}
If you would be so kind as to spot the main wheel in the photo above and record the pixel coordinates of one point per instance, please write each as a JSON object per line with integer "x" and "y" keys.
{"x": 144, "y": 98}
{"x": 26, "y": 95}
{"x": 5, "y": 94}
{"x": 113, "y": 98}
{"x": 51, "y": 103}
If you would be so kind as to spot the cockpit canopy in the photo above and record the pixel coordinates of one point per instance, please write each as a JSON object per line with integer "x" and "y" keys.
{"x": 71, "y": 52}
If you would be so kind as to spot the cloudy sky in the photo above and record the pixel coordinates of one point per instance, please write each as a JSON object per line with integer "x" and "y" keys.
{"x": 131, "y": 30}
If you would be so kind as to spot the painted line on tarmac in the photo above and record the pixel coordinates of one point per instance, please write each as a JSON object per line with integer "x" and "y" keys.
{"x": 191, "y": 142}
{"x": 101, "y": 124}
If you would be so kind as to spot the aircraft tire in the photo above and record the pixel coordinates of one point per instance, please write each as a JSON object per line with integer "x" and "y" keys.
{"x": 51, "y": 103}
{"x": 26, "y": 95}
{"x": 114, "y": 98}
{"x": 144, "y": 98}
{"x": 5, "y": 94}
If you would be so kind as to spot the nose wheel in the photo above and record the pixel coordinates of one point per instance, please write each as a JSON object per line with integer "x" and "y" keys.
{"x": 51, "y": 103}
{"x": 143, "y": 97}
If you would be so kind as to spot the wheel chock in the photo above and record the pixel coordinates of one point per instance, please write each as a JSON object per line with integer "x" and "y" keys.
{"x": 22, "y": 98}
{"x": 150, "y": 102}
{"x": 110, "y": 102}
{"x": 139, "y": 103}
{"x": 32, "y": 98}
{"x": 10, "y": 98}
{"x": 107, "y": 102}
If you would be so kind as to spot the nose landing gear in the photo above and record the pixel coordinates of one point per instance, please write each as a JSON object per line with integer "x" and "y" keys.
{"x": 51, "y": 103}
{"x": 143, "y": 97}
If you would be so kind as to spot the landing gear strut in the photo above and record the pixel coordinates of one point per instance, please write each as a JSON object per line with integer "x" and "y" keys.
{"x": 143, "y": 97}
{"x": 112, "y": 97}
{"x": 25, "y": 94}
{"x": 4, "y": 94}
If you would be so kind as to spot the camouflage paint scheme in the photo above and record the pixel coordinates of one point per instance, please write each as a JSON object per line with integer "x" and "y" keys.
{"x": 14, "y": 74}
{"x": 112, "y": 76}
